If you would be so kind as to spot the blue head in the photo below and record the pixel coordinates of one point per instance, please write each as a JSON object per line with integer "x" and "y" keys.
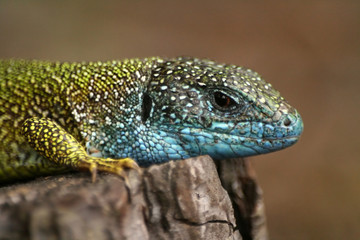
{"x": 194, "y": 107}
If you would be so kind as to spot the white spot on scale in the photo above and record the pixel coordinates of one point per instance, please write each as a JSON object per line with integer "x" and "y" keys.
{"x": 137, "y": 74}
{"x": 286, "y": 111}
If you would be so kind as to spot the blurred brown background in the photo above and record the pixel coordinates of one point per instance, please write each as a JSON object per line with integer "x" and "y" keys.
{"x": 309, "y": 50}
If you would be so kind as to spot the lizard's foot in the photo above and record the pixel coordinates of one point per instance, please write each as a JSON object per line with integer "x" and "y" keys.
{"x": 115, "y": 166}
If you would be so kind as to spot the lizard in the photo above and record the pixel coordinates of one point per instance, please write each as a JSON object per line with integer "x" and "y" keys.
{"x": 112, "y": 115}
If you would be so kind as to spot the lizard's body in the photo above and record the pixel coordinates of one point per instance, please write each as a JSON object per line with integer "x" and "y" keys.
{"x": 152, "y": 110}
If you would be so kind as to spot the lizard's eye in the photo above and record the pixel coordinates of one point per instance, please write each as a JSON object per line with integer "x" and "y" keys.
{"x": 223, "y": 102}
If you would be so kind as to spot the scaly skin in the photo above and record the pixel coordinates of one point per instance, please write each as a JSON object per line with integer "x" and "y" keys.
{"x": 99, "y": 116}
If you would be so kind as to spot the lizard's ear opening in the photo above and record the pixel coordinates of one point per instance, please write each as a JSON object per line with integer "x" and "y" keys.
{"x": 146, "y": 107}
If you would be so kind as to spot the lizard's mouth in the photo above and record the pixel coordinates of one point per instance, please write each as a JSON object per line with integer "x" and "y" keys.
{"x": 224, "y": 140}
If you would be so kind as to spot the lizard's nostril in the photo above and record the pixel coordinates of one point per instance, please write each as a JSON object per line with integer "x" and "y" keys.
{"x": 287, "y": 122}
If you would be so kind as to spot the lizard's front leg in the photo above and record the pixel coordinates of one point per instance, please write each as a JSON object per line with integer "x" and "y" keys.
{"x": 57, "y": 145}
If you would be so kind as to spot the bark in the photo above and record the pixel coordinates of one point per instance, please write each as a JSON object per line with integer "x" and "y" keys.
{"x": 189, "y": 199}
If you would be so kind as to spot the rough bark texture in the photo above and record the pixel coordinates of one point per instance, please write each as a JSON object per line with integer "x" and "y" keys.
{"x": 177, "y": 200}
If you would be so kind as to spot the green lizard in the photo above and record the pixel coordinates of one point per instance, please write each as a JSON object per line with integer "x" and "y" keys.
{"x": 108, "y": 116}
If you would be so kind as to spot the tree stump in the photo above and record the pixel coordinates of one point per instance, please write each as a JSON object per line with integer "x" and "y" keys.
{"x": 189, "y": 199}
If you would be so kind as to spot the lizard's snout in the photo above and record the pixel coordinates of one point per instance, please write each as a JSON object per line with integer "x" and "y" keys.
{"x": 293, "y": 123}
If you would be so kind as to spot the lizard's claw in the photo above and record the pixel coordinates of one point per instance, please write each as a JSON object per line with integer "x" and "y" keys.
{"x": 127, "y": 163}
{"x": 115, "y": 166}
